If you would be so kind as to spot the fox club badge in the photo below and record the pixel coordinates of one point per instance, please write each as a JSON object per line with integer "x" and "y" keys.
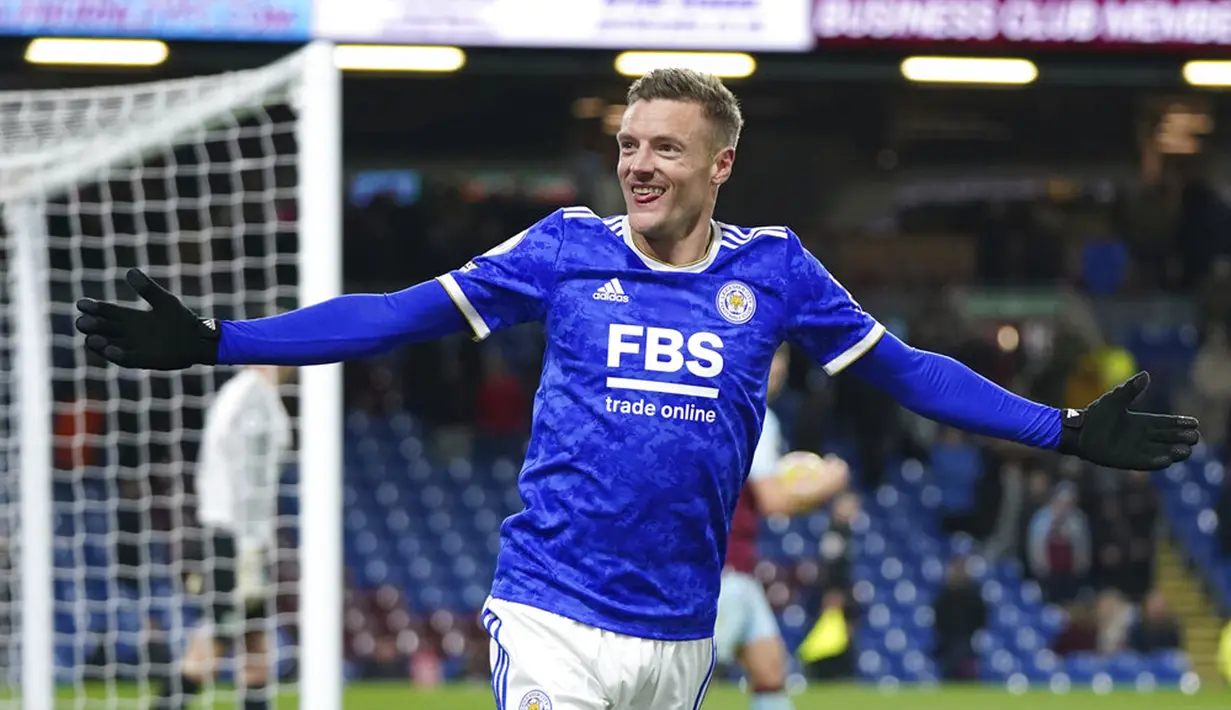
{"x": 535, "y": 700}
{"x": 736, "y": 302}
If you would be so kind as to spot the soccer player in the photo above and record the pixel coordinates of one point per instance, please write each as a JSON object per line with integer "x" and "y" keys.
{"x": 661, "y": 325}
{"x": 246, "y": 438}
{"x": 782, "y": 485}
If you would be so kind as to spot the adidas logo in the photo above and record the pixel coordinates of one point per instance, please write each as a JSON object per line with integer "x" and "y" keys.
{"x": 611, "y": 291}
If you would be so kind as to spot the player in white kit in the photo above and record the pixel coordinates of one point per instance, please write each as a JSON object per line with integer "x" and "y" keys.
{"x": 244, "y": 445}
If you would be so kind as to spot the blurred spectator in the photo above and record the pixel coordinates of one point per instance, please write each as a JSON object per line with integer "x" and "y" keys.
{"x": 1211, "y": 385}
{"x": 1114, "y": 616}
{"x": 1139, "y": 502}
{"x": 1080, "y": 634}
{"x": 1050, "y": 385}
{"x": 1042, "y": 256}
{"x": 1104, "y": 264}
{"x": 839, "y": 666}
{"x": 1038, "y": 493}
{"x": 1223, "y": 511}
{"x": 132, "y": 557}
{"x": 1059, "y": 546}
{"x": 1116, "y": 364}
{"x": 1103, "y": 492}
{"x": 1111, "y": 563}
{"x": 1003, "y": 540}
{"x": 960, "y": 612}
{"x": 1201, "y": 229}
{"x": 79, "y": 424}
{"x": 154, "y": 640}
{"x": 835, "y": 548}
{"x": 477, "y": 661}
{"x": 425, "y": 390}
{"x": 132, "y": 540}
{"x": 1085, "y": 382}
{"x": 868, "y": 418}
{"x": 426, "y": 668}
{"x": 1214, "y": 294}
{"x": 957, "y": 465}
{"x": 1224, "y": 651}
{"x": 502, "y": 407}
{"x": 1100, "y": 369}
{"x": 834, "y": 585}
{"x": 387, "y": 662}
{"x": 991, "y": 247}
{"x": 1157, "y": 629}
{"x": 1147, "y": 216}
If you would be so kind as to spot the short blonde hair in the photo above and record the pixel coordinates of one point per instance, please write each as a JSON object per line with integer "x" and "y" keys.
{"x": 717, "y": 102}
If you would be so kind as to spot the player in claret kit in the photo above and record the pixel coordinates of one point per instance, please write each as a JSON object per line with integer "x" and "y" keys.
{"x": 650, "y": 405}
{"x": 777, "y": 484}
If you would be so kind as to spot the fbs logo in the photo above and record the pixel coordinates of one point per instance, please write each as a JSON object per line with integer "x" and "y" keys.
{"x": 611, "y": 291}
{"x": 663, "y": 349}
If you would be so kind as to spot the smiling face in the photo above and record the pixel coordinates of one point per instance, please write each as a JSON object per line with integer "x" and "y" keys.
{"x": 677, "y": 146}
{"x": 670, "y": 167}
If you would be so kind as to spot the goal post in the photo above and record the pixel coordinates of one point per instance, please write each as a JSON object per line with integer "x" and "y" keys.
{"x": 31, "y": 398}
{"x": 226, "y": 188}
{"x": 320, "y": 204}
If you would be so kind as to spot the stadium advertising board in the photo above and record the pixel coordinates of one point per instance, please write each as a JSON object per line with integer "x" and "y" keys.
{"x": 1038, "y": 22}
{"x": 258, "y": 20}
{"x": 765, "y": 25}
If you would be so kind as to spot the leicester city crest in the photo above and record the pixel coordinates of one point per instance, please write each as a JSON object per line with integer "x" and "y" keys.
{"x": 535, "y": 700}
{"x": 736, "y": 302}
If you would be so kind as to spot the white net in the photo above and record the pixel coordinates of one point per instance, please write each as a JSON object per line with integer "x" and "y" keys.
{"x": 9, "y": 488}
{"x": 194, "y": 182}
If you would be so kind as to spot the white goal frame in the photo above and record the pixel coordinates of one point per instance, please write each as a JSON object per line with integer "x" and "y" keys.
{"x": 319, "y": 191}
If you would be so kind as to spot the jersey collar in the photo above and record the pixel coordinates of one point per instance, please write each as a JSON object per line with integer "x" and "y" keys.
{"x": 654, "y": 264}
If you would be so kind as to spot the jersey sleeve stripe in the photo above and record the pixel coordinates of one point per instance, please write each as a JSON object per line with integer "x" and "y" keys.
{"x": 455, "y": 292}
{"x": 856, "y": 351}
{"x": 578, "y": 213}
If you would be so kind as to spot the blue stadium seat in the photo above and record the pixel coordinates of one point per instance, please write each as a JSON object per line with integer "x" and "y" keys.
{"x": 1041, "y": 665}
{"x": 1082, "y": 667}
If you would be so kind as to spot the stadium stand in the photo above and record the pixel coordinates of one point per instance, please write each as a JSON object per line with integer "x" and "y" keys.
{"x": 1190, "y": 496}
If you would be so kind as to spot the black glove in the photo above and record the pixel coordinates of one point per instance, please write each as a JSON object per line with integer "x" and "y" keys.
{"x": 1108, "y": 434}
{"x": 167, "y": 337}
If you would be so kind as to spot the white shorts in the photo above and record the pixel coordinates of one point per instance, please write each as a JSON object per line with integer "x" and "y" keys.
{"x": 744, "y": 615}
{"x": 542, "y": 661}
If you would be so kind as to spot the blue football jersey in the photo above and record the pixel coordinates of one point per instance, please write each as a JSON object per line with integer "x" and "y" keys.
{"x": 649, "y": 408}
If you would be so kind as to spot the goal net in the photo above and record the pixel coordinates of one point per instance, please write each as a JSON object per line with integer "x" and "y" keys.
{"x": 195, "y": 182}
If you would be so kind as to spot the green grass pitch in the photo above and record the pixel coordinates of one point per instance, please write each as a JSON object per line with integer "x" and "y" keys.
{"x": 393, "y": 696}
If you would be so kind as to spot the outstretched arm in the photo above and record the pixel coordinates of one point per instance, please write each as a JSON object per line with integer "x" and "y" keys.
{"x": 1106, "y": 432}
{"x": 506, "y": 285}
{"x": 801, "y": 481}
{"x": 344, "y": 328}
{"x": 944, "y": 390}
{"x": 827, "y": 323}
{"x": 169, "y": 336}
